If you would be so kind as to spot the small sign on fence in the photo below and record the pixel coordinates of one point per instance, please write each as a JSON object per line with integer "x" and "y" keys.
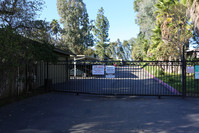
{"x": 98, "y": 69}
{"x": 190, "y": 69}
{"x": 110, "y": 71}
{"x": 197, "y": 72}
{"x": 110, "y": 76}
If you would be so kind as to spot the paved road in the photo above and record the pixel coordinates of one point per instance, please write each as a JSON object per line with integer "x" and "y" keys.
{"x": 128, "y": 80}
{"x": 67, "y": 113}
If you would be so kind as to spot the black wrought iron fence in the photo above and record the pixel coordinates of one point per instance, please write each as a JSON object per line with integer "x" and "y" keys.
{"x": 192, "y": 78}
{"x": 151, "y": 78}
{"x": 154, "y": 78}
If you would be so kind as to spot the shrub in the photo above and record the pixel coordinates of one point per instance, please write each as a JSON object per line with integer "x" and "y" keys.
{"x": 158, "y": 72}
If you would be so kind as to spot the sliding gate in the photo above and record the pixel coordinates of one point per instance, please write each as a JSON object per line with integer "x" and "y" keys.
{"x": 117, "y": 78}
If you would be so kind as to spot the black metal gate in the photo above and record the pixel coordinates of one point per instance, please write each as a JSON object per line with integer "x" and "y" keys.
{"x": 148, "y": 78}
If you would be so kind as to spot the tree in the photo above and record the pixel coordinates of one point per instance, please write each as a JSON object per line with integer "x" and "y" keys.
{"x": 120, "y": 50}
{"x": 55, "y": 27}
{"x": 145, "y": 17}
{"x": 18, "y": 48}
{"x": 127, "y": 49}
{"x": 111, "y": 50}
{"x": 101, "y": 33}
{"x": 193, "y": 13}
{"x": 89, "y": 52}
{"x": 40, "y": 31}
{"x": 76, "y": 36}
{"x": 19, "y": 14}
{"x": 174, "y": 25}
{"x": 139, "y": 47}
{"x": 17, "y": 21}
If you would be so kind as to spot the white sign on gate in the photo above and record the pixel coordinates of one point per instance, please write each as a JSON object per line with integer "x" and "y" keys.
{"x": 110, "y": 76}
{"x": 110, "y": 69}
{"x": 98, "y": 69}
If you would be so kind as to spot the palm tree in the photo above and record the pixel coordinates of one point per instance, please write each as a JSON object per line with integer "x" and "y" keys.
{"x": 55, "y": 27}
{"x": 164, "y": 16}
{"x": 175, "y": 30}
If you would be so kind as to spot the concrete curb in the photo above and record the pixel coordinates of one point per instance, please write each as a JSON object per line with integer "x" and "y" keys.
{"x": 170, "y": 88}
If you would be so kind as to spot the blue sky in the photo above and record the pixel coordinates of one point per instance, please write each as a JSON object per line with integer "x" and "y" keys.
{"x": 119, "y": 13}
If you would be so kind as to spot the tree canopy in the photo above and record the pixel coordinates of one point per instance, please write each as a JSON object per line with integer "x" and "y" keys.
{"x": 101, "y": 33}
{"x": 74, "y": 17}
{"x": 20, "y": 33}
{"x": 19, "y": 14}
{"x": 172, "y": 28}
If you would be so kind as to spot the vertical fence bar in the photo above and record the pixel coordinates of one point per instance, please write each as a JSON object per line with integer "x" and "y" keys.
{"x": 183, "y": 77}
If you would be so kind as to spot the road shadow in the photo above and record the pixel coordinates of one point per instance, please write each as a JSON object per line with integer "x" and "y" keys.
{"x": 68, "y": 113}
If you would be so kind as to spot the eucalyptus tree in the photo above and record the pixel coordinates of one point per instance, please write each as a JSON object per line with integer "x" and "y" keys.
{"x": 127, "y": 49}
{"x": 111, "y": 50}
{"x": 193, "y": 12}
{"x": 145, "y": 16}
{"x": 101, "y": 28}
{"x": 74, "y": 17}
{"x": 120, "y": 50}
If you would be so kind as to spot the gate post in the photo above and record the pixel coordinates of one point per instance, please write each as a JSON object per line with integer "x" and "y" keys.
{"x": 183, "y": 75}
{"x": 75, "y": 68}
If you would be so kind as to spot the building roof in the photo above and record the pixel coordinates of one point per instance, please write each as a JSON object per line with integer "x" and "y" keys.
{"x": 64, "y": 52}
{"x": 193, "y": 50}
{"x": 83, "y": 57}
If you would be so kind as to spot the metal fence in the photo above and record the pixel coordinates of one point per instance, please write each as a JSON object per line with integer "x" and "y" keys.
{"x": 191, "y": 78}
{"x": 147, "y": 78}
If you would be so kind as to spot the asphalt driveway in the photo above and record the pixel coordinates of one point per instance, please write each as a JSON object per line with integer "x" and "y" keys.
{"x": 130, "y": 80}
{"x": 68, "y": 113}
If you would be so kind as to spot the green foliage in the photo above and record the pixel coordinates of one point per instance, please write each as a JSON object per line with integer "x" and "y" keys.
{"x": 119, "y": 50}
{"x": 16, "y": 50}
{"x": 140, "y": 48}
{"x": 76, "y": 36}
{"x": 158, "y": 50}
{"x": 165, "y": 41}
{"x": 136, "y": 4}
{"x": 19, "y": 14}
{"x": 41, "y": 31}
{"x": 101, "y": 33}
{"x": 111, "y": 50}
{"x": 127, "y": 49}
{"x": 170, "y": 79}
{"x": 145, "y": 17}
{"x": 158, "y": 72}
{"x": 174, "y": 25}
{"x": 17, "y": 23}
{"x": 19, "y": 41}
{"x": 89, "y": 52}
{"x": 55, "y": 28}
